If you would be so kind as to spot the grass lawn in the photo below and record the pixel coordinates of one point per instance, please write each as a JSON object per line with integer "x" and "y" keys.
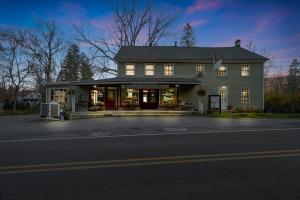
{"x": 256, "y": 115}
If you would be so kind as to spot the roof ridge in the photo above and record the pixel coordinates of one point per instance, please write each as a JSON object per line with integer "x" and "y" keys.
{"x": 177, "y": 47}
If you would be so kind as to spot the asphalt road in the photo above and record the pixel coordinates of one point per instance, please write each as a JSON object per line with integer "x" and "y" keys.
{"x": 214, "y": 164}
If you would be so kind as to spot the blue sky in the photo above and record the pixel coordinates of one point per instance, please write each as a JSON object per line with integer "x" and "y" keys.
{"x": 269, "y": 24}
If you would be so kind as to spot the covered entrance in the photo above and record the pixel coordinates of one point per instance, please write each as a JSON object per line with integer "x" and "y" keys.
{"x": 148, "y": 98}
{"x": 110, "y": 98}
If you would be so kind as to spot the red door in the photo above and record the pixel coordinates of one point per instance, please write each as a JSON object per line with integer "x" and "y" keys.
{"x": 110, "y": 103}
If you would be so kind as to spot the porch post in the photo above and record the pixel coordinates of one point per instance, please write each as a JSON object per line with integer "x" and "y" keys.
{"x": 73, "y": 103}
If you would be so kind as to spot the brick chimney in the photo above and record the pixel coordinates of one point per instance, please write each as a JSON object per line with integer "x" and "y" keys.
{"x": 237, "y": 43}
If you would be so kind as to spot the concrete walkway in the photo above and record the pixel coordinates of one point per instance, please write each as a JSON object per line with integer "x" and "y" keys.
{"x": 90, "y": 114}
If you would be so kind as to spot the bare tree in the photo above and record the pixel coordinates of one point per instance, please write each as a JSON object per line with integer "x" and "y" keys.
{"x": 133, "y": 25}
{"x": 277, "y": 82}
{"x": 14, "y": 60}
{"x": 264, "y": 52}
{"x": 44, "y": 45}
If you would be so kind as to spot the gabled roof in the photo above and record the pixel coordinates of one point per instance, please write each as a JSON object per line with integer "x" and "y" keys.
{"x": 185, "y": 54}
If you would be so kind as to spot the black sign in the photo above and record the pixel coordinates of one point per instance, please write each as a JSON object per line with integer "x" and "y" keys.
{"x": 214, "y": 103}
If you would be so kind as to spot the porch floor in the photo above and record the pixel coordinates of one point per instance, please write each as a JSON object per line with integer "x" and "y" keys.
{"x": 91, "y": 114}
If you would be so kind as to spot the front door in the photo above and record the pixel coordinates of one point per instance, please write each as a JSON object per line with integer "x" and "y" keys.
{"x": 110, "y": 103}
{"x": 223, "y": 92}
{"x": 148, "y": 98}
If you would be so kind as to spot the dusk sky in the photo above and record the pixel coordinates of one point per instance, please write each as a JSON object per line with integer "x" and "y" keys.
{"x": 269, "y": 24}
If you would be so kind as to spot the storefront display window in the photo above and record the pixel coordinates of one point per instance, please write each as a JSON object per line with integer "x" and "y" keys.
{"x": 97, "y": 97}
{"x": 59, "y": 95}
{"x": 129, "y": 97}
{"x": 168, "y": 97}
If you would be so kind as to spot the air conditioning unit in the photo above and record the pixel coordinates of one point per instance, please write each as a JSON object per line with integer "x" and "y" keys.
{"x": 50, "y": 110}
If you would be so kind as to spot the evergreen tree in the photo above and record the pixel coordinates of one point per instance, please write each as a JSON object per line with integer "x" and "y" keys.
{"x": 85, "y": 68}
{"x": 71, "y": 66}
{"x": 188, "y": 39}
{"x": 294, "y": 76}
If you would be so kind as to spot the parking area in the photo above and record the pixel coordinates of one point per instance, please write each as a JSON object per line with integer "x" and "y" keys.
{"x": 31, "y": 127}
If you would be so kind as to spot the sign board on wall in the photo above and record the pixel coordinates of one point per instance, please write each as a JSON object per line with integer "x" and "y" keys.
{"x": 214, "y": 103}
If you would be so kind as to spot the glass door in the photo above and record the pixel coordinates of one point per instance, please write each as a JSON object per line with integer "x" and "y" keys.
{"x": 148, "y": 98}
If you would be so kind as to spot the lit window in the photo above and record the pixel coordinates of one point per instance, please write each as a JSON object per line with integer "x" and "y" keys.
{"x": 223, "y": 93}
{"x": 59, "y": 95}
{"x": 222, "y": 70}
{"x": 149, "y": 69}
{"x": 129, "y": 97}
{"x": 168, "y": 97}
{"x": 245, "y": 70}
{"x": 129, "y": 70}
{"x": 200, "y": 69}
{"x": 169, "y": 69}
{"x": 245, "y": 95}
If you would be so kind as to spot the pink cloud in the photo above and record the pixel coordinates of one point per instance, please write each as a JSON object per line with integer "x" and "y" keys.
{"x": 71, "y": 7}
{"x": 198, "y": 22}
{"x": 266, "y": 21}
{"x": 203, "y": 5}
{"x": 286, "y": 52}
{"x": 102, "y": 22}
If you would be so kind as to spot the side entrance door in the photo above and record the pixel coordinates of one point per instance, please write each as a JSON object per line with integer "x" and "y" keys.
{"x": 148, "y": 98}
{"x": 223, "y": 92}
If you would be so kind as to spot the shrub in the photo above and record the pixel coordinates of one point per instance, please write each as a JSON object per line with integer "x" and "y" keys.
{"x": 275, "y": 102}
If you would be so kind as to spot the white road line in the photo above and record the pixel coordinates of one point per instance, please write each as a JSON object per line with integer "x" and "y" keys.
{"x": 146, "y": 134}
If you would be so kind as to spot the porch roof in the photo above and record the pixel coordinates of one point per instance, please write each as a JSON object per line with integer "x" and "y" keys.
{"x": 131, "y": 81}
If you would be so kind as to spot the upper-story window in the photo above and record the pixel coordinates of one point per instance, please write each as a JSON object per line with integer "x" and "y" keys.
{"x": 169, "y": 70}
{"x": 149, "y": 69}
{"x": 245, "y": 95}
{"x": 200, "y": 69}
{"x": 245, "y": 70}
{"x": 130, "y": 69}
{"x": 222, "y": 70}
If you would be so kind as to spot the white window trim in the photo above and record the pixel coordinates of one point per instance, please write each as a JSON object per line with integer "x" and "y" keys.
{"x": 153, "y": 68}
{"x": 165, "y": 69}
{"x": 126, "y": 69}
{"x": 226, "y": 71}
{"x": 242, "y": 70}
{"x": 249, "y": 94}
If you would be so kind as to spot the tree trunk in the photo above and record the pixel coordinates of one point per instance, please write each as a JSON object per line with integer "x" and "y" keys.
{"x": 15, "y": 103}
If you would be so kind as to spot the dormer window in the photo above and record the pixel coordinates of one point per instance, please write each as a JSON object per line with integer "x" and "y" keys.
{"x": 149, "y": 69}
{"x": 169, "y": 70}
{"x": 129, "y": 69}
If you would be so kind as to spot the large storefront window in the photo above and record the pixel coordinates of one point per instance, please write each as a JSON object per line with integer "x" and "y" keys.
{"x": 97, "y": 97}
{"x": 59, "y": 95}
{"x": 168, "y": 97}
{"x": 129, "y": 97}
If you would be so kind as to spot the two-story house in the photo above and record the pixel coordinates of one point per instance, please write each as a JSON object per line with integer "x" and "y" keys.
{"x": 164, "y": 77}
